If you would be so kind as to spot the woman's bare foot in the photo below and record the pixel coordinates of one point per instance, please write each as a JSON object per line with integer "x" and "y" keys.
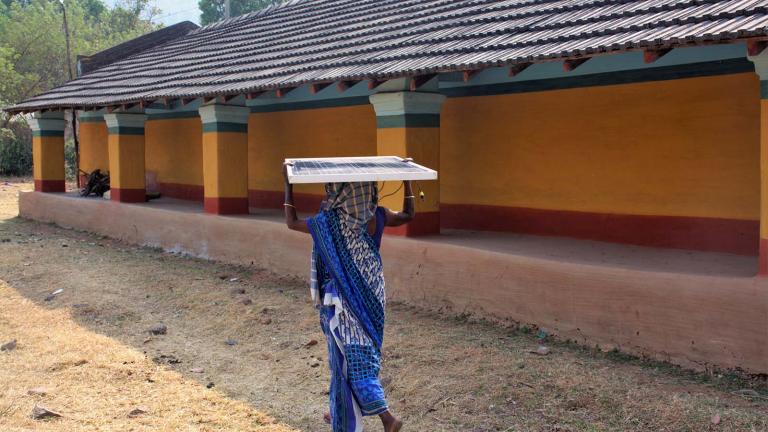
{"x": 390, "y": 422}
{"x": 327, "y": 418}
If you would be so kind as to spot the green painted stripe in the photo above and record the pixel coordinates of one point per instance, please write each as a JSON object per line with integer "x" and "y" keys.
{"x": 666, "y": 73}
{"x": 313, "y": 104}
{"x": 82, "y": 119}
{"x": 764, "y": 89}
{"x": 409, "y": 120}
{"x": 125, "y": 130}
{"x": 225, "y": 127}
{"x": 48, "y": 133}
{"x": 173, "y": 115}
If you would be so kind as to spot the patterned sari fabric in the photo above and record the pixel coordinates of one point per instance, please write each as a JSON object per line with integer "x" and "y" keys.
{"x": 348, "y": 287}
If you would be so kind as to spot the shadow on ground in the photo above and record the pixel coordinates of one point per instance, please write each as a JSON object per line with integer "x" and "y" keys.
{"x": 254, "y": 336}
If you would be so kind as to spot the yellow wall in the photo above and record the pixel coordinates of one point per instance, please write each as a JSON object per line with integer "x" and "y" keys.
{"x": 93, "y": 146}
{"x": 174, "y": 150}
{"x": 677, "y": 148}
{"x": 272, "y": 137}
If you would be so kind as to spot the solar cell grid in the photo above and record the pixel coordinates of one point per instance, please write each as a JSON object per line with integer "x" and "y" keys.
{"x": 379, "y": 168}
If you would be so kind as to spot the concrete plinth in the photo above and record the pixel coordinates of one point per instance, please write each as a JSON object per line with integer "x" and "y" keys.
{"x": 691, "y": 308}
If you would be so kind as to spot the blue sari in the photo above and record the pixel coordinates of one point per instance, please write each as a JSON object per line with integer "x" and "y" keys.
{"x": 348, "y": 285}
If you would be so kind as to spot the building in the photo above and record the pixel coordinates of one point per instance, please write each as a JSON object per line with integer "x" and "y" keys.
{"x": 631, "y": 135}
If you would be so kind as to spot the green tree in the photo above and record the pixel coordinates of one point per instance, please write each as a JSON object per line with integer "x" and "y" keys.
{"x": 213, "y": 10}
{"x": 33, "y": 47}
{"x": 33, "y": 54}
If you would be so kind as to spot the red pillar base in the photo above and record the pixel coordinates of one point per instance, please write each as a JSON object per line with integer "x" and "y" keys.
{"x": 49, "y": 186}
{"x": 425, "y": 223}
{"x": 128, "y": 195}
{"x": 224, "y": 206}
{"x": 762, "y": 263}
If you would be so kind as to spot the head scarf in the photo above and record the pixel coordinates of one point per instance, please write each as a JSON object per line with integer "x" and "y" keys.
{"x": 355, "y": 201}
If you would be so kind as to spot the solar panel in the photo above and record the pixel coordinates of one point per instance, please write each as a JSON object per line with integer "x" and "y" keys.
{"x": 356, "y": 169}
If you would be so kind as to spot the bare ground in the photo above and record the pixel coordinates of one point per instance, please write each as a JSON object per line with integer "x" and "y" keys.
{"x": 441, "y": 373}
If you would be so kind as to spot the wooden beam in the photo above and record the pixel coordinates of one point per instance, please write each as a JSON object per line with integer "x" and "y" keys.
{"x": 282, "y": 92}
{"x": 318, "y": 87}
{"x": 372, "y": 84}
{"x": 227, "y": 98}
{"x": 419, "y": 81}
{"x": 515, "y": 69}
{"x": 651, "y": 55}
{"x": 755, "y": 47}
{"x": 185, "y": 101}
{"x": 469, "y": 74}
{"x": 571, "y": 64}
{"x": 344, "y": 85}
{"x": 254, "y": 95}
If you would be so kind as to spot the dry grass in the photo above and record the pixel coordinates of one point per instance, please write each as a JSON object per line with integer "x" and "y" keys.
{"x": 95, "y": 381}
{"x": 441, "y": 373}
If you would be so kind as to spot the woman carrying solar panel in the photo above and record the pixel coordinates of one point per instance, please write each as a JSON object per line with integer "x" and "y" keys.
{"x": 347, "y": 285}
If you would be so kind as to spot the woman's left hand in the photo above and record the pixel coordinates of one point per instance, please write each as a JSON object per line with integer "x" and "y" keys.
{"x": 285, "y": 172}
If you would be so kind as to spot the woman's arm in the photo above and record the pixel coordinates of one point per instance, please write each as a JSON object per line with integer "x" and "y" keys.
{"x": 292, "y": 220}
{"x": 409, "y": 209}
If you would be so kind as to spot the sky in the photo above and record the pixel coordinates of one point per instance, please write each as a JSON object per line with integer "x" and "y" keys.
{"x": 173, "y": 11}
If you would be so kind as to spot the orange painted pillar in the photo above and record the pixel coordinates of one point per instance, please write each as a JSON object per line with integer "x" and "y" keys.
{"x": 125, "y": 142}
{"x": 48, "y": 151}
{"x": 761, "y": 68}
{"x": 225, "y": 158}
{"x": 408, "y": 125}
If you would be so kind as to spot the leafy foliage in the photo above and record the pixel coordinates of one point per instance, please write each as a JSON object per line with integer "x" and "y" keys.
{"x": 213, "y": 10}
{"x": 16, "y": 149}
{"x": 33, "y": 54}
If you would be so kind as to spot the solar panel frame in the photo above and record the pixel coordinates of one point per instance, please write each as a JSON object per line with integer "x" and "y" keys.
{"x": 409, "y": 170}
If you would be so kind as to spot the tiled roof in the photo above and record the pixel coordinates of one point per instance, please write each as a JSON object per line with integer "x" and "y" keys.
{"x": 307, "y": 41}
{"x": 134, "y": 46}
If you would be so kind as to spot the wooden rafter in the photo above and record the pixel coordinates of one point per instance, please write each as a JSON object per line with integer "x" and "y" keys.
{"x": 372, "y": 84}
{"x": 651, "y": 55}
{"x": 318, "y": 87}
{"x": 571, "y": 64}
{"x": 755, "y": 47}
{"x": 515, "y": 69}
{"x": 254, "y": 95}
{"x": 469, "y": 74}
{"x": 419, "y": 81}
{"x": 346, "y": 84}
{"x": 282, "y": 92}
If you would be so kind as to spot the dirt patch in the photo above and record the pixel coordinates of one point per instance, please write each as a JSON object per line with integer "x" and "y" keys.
{"x": 246, "y": 333}
{"x": 96, "y": 382}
